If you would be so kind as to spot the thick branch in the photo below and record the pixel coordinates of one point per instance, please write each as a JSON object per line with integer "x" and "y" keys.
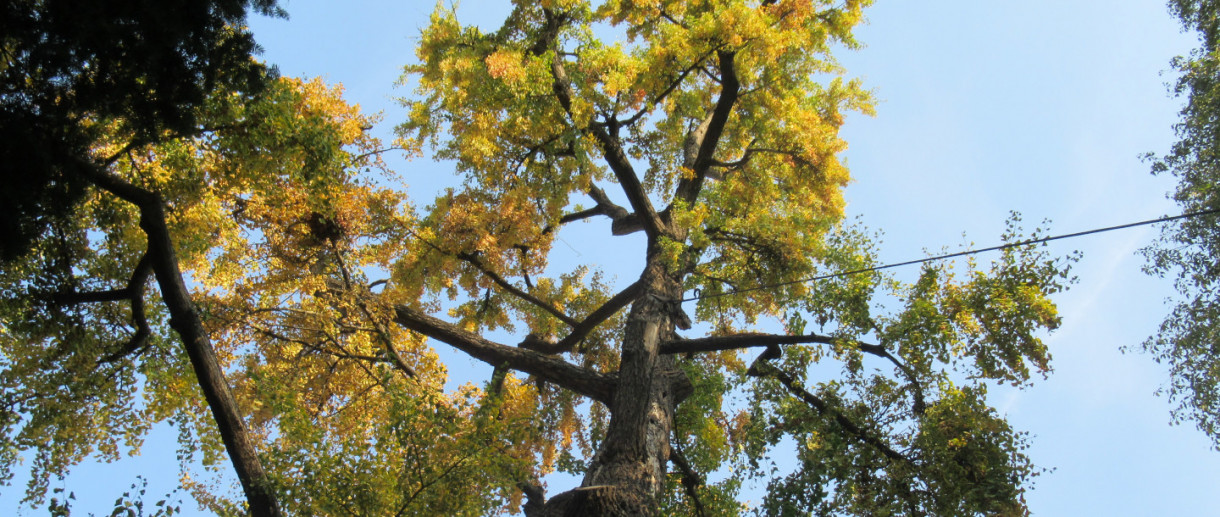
{"x": 186, "y": 321}
{"x": 535, "y": 498}
{"x": 612, "y": 150}
{"x": 595, "y": 318}
{"x": 584, "y": 381}
{"x": 622, "y": 221}
{"x": 73, "y": 297}
{"x": 688, "y": 190}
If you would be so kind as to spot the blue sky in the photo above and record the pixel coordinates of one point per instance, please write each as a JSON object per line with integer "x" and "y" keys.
{"x": 985, "y": 107}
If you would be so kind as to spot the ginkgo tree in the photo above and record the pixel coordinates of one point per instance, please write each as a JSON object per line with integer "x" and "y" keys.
{"x": 711, "y": 129}
{"x": 717, "y": 123}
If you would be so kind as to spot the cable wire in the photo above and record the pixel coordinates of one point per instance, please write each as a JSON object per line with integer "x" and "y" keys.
{"x": 1026, "y": 242}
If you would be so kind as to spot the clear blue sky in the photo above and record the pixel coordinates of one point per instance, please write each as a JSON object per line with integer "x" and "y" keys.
{"x": 1039, "y": 106}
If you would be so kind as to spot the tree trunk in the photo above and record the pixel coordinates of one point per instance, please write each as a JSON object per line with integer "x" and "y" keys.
{"x": 629, "y": 469}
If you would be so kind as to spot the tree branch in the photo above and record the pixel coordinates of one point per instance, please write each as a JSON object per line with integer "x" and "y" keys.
{"x": 473, "y": 260}
{"x": 762, "y": 368}
{"x": 667, "y": 91}
{"x": 688, "y": 189}
{"x": 578, "y": 216}
{"x": 595, "y": 318}
{"x": 384, "y": 336}
{"x": 139, "y": 317}
{"x": 691, "y": 480}
{"x": 622, "y": 222}
{"x": 739, "y": 341}
{"x": 590, "y": 383}
{"x": 612, "y": 150}
{"x": 186, "y": 321}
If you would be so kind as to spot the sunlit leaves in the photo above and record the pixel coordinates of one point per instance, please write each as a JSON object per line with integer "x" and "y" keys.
{"x": 300, "y": 251}
{"x": 527, "y": 113}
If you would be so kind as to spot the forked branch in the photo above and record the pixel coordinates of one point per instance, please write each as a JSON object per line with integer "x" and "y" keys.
{"x": 606, "y": 136}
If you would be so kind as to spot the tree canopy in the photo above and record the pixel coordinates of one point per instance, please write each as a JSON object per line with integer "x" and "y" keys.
{"x": 1188, "y": 338}
{"x": 711, "y": 129}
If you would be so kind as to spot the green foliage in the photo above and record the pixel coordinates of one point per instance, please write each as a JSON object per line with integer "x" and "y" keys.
{"x": 129, "y": 504}
{"x": 1187, "y": 250}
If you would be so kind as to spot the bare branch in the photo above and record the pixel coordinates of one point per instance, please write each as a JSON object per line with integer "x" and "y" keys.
{"x": 578, "y": 216}
{"x": 738, "y": 341}
{"x": 341, "y": 354}
{"x": 667, "y": 91}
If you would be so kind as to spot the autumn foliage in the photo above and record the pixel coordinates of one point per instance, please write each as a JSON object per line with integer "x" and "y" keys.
{"x": 705, "y": 137}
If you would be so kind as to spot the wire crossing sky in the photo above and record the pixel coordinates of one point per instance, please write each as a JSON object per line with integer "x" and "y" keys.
{"x": 1017, "y": 244}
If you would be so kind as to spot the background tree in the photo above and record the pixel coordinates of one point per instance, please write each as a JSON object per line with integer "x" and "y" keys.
{"x": 74, "y": 78}
{"x": 1189, "y": 337}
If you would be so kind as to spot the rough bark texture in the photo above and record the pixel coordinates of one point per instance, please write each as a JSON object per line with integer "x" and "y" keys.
{"x": 630, "y": 466}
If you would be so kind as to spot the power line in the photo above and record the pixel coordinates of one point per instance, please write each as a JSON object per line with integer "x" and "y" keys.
{"x": 958, "y": 254}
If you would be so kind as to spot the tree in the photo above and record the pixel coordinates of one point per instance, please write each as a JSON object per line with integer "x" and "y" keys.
{"x": 711, "y": 134}
{"x": 75, "y": 76}
{"x": 1187, "y": 339}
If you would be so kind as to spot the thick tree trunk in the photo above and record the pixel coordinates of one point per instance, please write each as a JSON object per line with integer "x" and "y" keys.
{"x": 629, "y": 469}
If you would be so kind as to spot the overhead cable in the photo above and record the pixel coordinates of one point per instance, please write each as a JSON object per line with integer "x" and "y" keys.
{"x": 1026, "y": 242}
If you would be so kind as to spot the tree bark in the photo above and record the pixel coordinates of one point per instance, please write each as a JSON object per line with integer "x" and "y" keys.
{"x": 629, "y": 470}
